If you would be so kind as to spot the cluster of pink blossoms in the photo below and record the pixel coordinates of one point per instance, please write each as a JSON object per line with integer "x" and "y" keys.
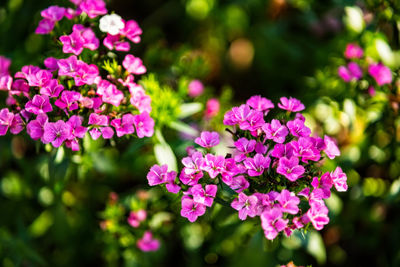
{"x": 353, "y": 71}
{"x": 147, "y": 242}
{"x": 273, "y": 171}
{"x": 59, "y": 103}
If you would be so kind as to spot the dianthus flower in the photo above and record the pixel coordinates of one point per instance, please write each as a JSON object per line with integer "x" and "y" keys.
{"x": 270, "y": 173}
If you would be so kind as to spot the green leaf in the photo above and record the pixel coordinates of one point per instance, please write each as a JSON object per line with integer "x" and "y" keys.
{"x": 189, "y": 109}
{"x": 184, "y": 128}
{"x": 316, "y": 247}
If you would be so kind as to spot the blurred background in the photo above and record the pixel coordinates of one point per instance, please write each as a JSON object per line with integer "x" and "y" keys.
{"x": 59, "y": 210}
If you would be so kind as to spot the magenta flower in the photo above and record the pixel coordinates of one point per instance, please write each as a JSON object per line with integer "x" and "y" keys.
{"x": 56, "y": 133}
{"x": 245, "y": 147}
{"x": 260, "y": 103}
{"x": 237, "y": 115}
{"x": 39, "y": 104}
{"x": 52, "y": 89}
{"x": 147, "y": 243}
{"x": 139, "y": 99}
{"x": 109, "y": 93}
{"x": 275, "y": 131}
{"x": 245, "y": 205}
{"x": 133, "y": 65}
{"x": 90, "y": 40}
{"x": 114, "y": 42}
{"x": 6, "y": 119}
{"x": 355, "y": 70}
{"x": 256, "y": 166}
{"x": 212, "y": 164}
{"x": 288, "y": 201}
{"x": 5, "y": 64}
{"x": 331, "y": 148}
{"x": 212, "y": 108}
{"x": 190, "y": 179}
{"x": 135, "y": 218}
{"x": 191, "y": 209}
{"x": 290, "y": 168}
{"x": 6, "y": 82}
{"x": 45, "y": 26}
{"x": 72, "y": 43}
{"x": 17, "y": 124}
{"x": 207, "y": 139}
{"x": 192, "y": 164}
{"x": 100, "y": 126}
{"x": 171, "y": 186}
{"x": 77, "y": 131}
{"x": 291, "y": 104}
{"x": 93, "y": 8}
{"x": 68, "y": 66}
{"x": 124, "y": 125}
{"x": 35, "y": 128}
{"x": 204, "y": 196}
{"x": 272, "y": 222}
{"x": 297, "y": 128}
{"x": 353, "y": 51}
{"x": 306, "y": 148}
{"x": 157, "y": 174}
{"x": 381, "y": 73}
{"x": 68, "y": 100}
{"x": 196, "y": 88}
{"x": 253, "y": 122}
{"x": 318, "y": 214}
{"x": 54, "y": 13}
{"x": 322, "y": 187}
{"x": 282, "y": 150}
{"x": 144, "y": 125}
{"x": 239, "y": 183}
{"x": 132, "y": 31}
{"x": 39, "y": 78}
{"x": 339, "y": 180}
{"x": 86, "y": 74}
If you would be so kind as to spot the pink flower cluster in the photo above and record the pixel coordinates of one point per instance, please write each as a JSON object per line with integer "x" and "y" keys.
{"x": 273, "y": 171}
{"x": 147, "y": 242}
{"x": 353, "y": 70}
{"x": 59, "y": 103}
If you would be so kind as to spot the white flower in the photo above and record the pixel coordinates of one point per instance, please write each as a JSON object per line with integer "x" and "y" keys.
{"x": 112, "y": 24}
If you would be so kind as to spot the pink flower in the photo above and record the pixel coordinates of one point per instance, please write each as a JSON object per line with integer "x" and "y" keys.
{"x": 35, "y": 128}
{"x": 191, "y": 209}
{"x": 212, "y": 164}
{"x": 139, "y": 99}
{"x": 381, "y": 73}
{"x": 306, "y": 148}
{"x": 132, "y": 31}
{"x": 256, "y": 166}
{"x": 207, "y": 139}
{"x": 17, "y": 124}
{"x": 147, "y": 242}
{"x": 100, "y": 126}
{"x": 45, "y": 26}
{"x": 114, "y": 42}
{"x": 157, "y": 174}
{"x": 39, "y": 104}
{"x": 133, "y": 65}
{"x": 135, "y": 218}
{"x": 290, "y": 168}
{"x": 90, "y": 40}
{"x": 56, "y": 133}
{"x": 288, "y": 201}
{"x": 245, "y": 205}
{"x": 239, "y": 183}
{"x": 124, "y": 125}
{"x": 196, "y": 88}
{"x": 275, "y": 131}
{"x": 237, "y": 115}
{"x": 171, "y": 185}
{"x": 192, "y": 164}
{"x": 245, "y": 147}
{"x": 52, "y": 89}
{"x": 77, "y": 131}
{"x": 68, "y": 66}
{"x": 339, "y": 180}
{"x": 331, "y": 148}
{"x": 272, "y": 222}
{"x": 109, "y": 93}
{"x": 322, "y": 187}
{"x": 4, "y": 66}
{"x": 72, "y": 43}
{"x": 318, "y": 214}
{"x": 144, "y": 125}
{"x": 54, "y": 13}
{"x": 190, "y": 179}
{"x": 93, "y": 8}
{"x": 253, "y": 122}
{"x": 353, "y": 51}
{"x": 212, "y": 108}
{"x": 6, "y": 119}
{"x": 86, "y": 74}
{"x": 297, "y": 128}
{"x": 68, "y": 100}
{"x": 6, "y": 82}
{"x": 260, "y": 103}
{"x": 204, "y": 196}
{"x": 291, "y": 104}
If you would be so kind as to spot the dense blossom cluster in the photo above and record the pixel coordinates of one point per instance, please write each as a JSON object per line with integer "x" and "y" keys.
{"x": 273, "y": 171}
{"x": 354, "y": 70}
{"x": 59, "y": 103}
